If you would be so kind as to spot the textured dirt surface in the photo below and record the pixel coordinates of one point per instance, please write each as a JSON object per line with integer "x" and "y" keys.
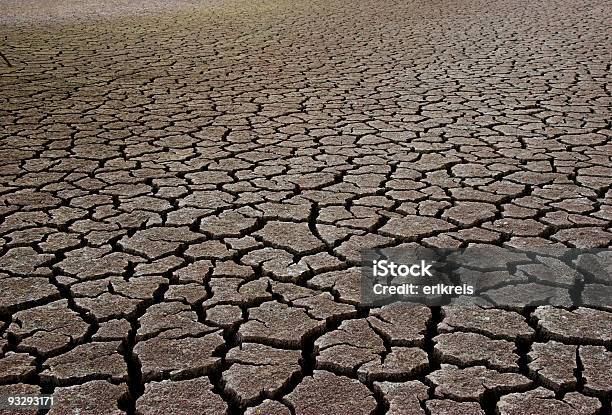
{"x": 185, "y": 188}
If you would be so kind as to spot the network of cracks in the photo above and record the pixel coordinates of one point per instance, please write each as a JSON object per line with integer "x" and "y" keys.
{"x": 184, "y": 197}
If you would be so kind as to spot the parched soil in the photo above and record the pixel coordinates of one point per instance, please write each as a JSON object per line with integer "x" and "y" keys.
{"x": 186, "y": 186}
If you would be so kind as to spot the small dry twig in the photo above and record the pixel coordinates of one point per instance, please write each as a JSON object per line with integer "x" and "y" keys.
{"x": 5, "y": 59}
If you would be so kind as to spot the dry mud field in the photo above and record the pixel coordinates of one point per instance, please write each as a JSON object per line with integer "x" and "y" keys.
{"x": 186, "y": 187}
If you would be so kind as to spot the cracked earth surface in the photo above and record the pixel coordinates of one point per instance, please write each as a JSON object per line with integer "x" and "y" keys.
{"x": 186, "y": 186}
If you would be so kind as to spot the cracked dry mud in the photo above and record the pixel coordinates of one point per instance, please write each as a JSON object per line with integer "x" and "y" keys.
{"x": 185, "y": 188}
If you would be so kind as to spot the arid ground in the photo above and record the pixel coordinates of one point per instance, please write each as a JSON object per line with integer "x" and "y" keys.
{"x": 186, "y": 187}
